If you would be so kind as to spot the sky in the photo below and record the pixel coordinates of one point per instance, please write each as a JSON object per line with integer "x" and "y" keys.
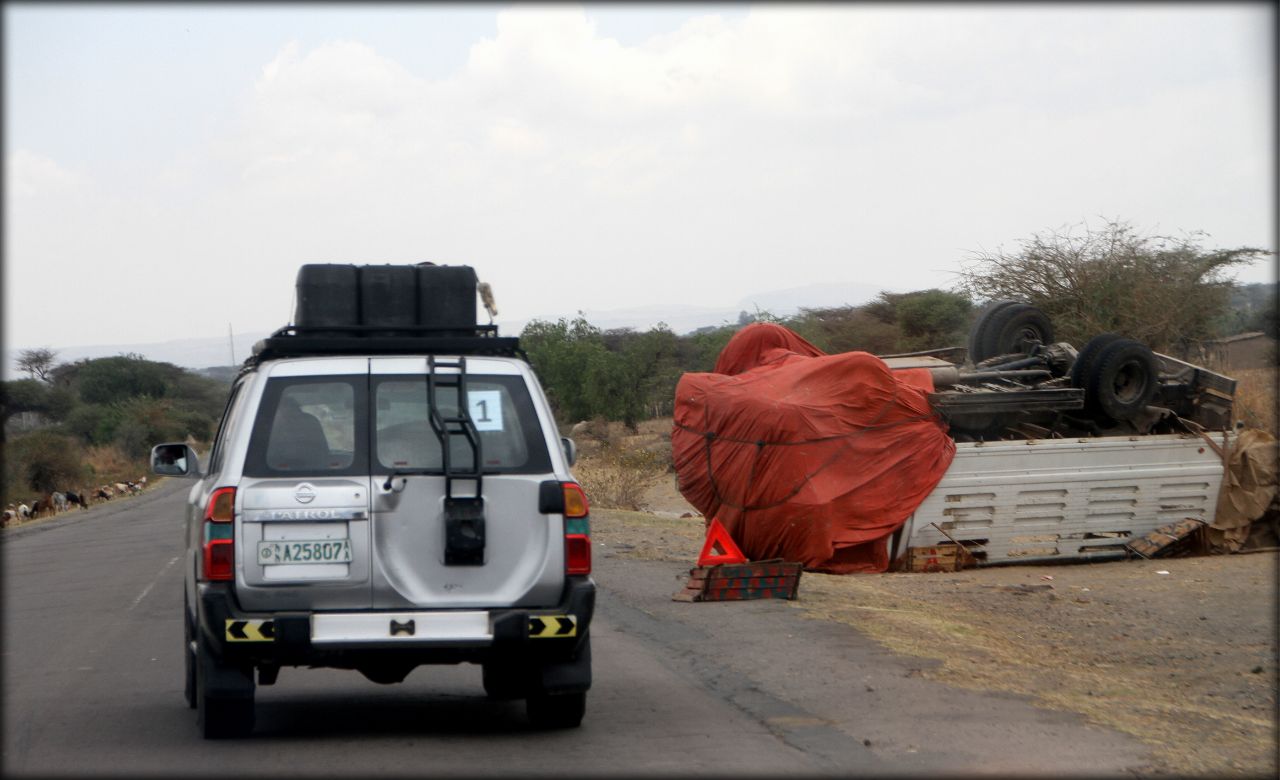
{"x": 167, "y": 168}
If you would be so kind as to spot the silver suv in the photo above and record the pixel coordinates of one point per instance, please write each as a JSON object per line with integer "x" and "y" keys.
{"x": 376, "y": 500}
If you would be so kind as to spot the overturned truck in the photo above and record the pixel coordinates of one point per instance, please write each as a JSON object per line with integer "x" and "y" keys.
{"x": 1016, "y": 447}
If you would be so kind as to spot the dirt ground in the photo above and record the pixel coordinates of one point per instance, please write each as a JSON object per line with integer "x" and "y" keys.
{"x": 1178, "y": 652}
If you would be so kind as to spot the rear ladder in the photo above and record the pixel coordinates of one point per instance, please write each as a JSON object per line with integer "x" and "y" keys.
{"x": 463, "y": 514}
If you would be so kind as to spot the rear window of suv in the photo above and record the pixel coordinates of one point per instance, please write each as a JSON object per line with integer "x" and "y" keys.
{"x": 326, "y": 426}
{"x": 511, "y": 439}
{"x": 310, "y": 426}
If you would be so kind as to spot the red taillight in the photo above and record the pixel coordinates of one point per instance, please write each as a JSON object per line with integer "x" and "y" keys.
{"x": 577, "y": 554}
{"x": 219, "y": 559}
{"x": 577, "y": 530}
{"x": 219, "y": 540}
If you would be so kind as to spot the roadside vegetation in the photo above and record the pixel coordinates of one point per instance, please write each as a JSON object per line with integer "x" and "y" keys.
{"x": 1174, "y": 294}
{"x": 75, "y": 426}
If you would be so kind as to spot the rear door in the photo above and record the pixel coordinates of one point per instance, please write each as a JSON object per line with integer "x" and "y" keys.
{"x": 523, "y": 557}
{"x": 304, "y": 528}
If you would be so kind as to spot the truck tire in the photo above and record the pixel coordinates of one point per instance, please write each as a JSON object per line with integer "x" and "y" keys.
{"x": 1011, "y": 329}
{"x": 224, "y": 696}
{"x": 1081, "y": 367}
{"x": 980, "y": 325}
{"x": 1123, "y": 379}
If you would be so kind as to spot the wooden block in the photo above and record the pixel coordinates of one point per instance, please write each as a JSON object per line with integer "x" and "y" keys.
{"x": 739, "y": 582}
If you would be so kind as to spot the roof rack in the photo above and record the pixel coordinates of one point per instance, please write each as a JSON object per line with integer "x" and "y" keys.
{"x": 295, "y": 341}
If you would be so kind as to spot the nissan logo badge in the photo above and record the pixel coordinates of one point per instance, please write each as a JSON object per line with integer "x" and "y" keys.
{"x": 305, "y": 494}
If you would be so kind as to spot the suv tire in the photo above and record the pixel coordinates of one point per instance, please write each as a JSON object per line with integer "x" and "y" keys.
{"x": 188, "y": 656}
{"x": 220, "y": 715}
{"x": 556, "y": 711}
{"x": 504, "y": 681}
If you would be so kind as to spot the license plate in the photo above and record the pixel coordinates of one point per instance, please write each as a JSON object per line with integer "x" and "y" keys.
{"x": 305, "y": 551}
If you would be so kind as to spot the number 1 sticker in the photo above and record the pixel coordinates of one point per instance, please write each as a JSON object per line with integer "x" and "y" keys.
{"x": 486, "y": 409}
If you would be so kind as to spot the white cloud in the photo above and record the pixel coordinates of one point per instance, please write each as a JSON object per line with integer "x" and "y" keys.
{"x": 720, "y": 159}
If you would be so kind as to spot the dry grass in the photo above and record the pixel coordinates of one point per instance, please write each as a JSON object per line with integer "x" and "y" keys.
{"x": 1255, "y": 403}
{"x": 1112, "y": 684}
{"x": 616, "y": 466}
{"x": 109, "y": 464}
{"x": 617, "y": 477}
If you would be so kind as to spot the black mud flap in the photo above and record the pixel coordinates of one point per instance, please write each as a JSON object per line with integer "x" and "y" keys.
{"x": 464, "y": 532}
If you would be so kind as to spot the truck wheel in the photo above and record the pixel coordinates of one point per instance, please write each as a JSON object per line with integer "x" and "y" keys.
{"x": 1081, "y": 367}
{"x": 188, "y": 656}
{"x": 224, "y": 697}
{"x": 980, "y": 325}
{"x": 1123, "y": 379}
{"x": 1012, "y": 329}
{"x": 556, "y": 711}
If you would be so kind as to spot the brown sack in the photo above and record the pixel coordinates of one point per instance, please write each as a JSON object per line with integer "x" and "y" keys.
{"x": 1248, "y": 488}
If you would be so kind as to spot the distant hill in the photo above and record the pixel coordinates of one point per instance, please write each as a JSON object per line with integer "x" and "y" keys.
{"x": 187, "y": 353}
{"x": 214, "y": 354}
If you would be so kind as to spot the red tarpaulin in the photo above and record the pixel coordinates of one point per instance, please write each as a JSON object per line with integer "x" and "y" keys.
{"x": 806, "y": 456}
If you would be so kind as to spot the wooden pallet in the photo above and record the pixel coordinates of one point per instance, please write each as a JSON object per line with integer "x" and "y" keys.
{"x": 942, "y": 557}
{"x": 772, "y": 579}
{"x": 1184, "y": 537}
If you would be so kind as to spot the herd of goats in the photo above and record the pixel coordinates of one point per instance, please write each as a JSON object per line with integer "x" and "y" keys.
{"x": 58, "y": 501}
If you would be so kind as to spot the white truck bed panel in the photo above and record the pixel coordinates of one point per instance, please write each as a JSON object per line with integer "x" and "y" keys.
{"x": 1051, "y": 499}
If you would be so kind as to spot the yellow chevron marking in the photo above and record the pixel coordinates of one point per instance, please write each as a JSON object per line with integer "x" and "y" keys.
{"x": 552, "y": 626}
{"x": 250, "y": 630}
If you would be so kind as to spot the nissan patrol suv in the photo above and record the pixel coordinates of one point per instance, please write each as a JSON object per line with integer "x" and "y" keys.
{"x": 387, "y": 488}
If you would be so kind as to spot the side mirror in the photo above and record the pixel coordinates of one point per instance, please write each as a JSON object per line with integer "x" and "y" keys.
{"x": 174, "y": 460}
{"x": 570, "y": 449}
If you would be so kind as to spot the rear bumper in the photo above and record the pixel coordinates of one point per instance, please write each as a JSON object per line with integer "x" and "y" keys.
{"x": 410, "y": 637}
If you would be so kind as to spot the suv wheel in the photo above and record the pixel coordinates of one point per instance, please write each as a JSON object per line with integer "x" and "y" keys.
{"x": 188, "y": 656}
{"x": 504, "y": 681}
{"x": 556, "y": 711}
{"x": 224, "y": 697}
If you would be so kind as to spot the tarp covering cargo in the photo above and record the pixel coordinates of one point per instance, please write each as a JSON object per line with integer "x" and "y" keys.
{"x": 805, "y": 456}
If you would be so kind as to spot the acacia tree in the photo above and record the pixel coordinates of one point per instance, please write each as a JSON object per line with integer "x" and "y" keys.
{"x": 37, "y": 363}
{"x": 1161, "y": 290}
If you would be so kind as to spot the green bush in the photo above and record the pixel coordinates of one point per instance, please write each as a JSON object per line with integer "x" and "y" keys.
{"x": 93, "y": 423}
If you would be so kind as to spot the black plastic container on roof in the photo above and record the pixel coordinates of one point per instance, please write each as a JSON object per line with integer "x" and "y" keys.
{"x": 385, "y": 309}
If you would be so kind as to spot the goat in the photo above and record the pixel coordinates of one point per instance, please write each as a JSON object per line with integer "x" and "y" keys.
{"x": 24, "y": 512}
{"x": 43, "y": 506}
{"x": 103, "y": 493}
{"x": 60, "y": 503}
{"x": 77, "y": 498}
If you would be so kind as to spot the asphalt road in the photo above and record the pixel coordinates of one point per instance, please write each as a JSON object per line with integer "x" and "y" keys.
{"x": 92, "y": 673}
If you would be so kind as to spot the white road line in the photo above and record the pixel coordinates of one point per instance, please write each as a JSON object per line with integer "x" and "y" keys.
{"x": 153, "y": 582}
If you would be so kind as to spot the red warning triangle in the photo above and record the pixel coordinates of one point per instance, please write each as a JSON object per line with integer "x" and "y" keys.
{"x": 718, "y": 537}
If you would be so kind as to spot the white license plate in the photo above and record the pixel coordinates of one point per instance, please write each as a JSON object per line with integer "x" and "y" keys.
{"x": 304, "y": 551}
